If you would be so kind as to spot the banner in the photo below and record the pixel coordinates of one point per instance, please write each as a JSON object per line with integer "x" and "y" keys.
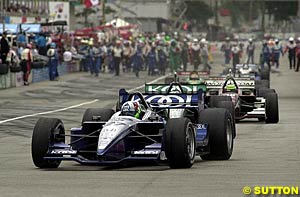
{"x": 59, "y": 11}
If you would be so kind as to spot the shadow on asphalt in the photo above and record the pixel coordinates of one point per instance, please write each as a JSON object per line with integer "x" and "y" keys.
{"x": 149, "y": 166}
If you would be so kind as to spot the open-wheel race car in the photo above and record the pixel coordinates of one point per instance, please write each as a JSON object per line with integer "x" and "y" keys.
{"x": 248, "y": 102}
{"x": 171, "y": 128}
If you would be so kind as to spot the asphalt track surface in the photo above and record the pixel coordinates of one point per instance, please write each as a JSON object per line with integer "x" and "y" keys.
{"x": 264, "y": 154}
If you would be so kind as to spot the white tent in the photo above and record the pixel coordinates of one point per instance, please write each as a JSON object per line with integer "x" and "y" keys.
{"x": 118, "y": 23}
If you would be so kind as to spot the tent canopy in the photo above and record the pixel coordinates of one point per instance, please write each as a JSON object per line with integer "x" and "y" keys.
{"x": 31, "y": 28}
{"x": 118, "y": 23}
{"x": 10, "y": 28}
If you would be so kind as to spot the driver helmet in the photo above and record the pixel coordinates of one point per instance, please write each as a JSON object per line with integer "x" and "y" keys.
{"x": 194, "y": 75}
{"x": 230, "y": 87}
{"x": 53, "y": 45}
{"x": 131, "y": 108}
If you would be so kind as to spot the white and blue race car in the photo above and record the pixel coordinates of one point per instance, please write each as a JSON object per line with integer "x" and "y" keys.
{"x": 174, "y": 129}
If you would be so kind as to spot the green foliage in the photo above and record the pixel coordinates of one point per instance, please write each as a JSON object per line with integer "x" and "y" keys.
{"x": 281, "y": 10}
{"x": 198, "y": 11}
{"x": 109, "y": 10}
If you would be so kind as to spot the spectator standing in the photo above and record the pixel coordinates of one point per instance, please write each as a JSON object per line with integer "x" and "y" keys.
{"x": 236, "y": 55}
{"x": 4, "y": 47}
{"x": 90, "y": 57}
{"x": 226, "y": 49}
{"x": 174, "y": 54}
{"x": 26, "y": 60}
{"x": 137, "y": 58}
{"x": 162, "y": 60}
{"x": 53, "y": 62}
{"x": 117, "y": 54}
{"x": 97, "y": 53}
{"x": 195, "y": 54}
{"x": 41, "y": 43}
{"x": 204, "y": 54}
{"x": 21, "y": 39}
{"x": 298, "y": 54}
{"x": 291, "y": 49}
{"x": 185, "y": 54}
{"x": 266, "y": 55}
{"x": 152, "y": 60}
{"x": 127, "y": 52}
{"x": 276, "y": 51}
{"x": 250, "y": 51}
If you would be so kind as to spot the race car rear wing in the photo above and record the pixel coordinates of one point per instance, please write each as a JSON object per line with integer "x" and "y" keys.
{"x": 165, "y": 88}
{"x": 188, "y": 73}
{"x": 218, "y": 82}
{"x": 164, "y": 100}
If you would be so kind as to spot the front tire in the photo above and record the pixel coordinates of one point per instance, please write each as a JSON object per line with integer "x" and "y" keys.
{"x": 46, "y": 132}
{"x": 220, "y": 133}
{"x": 180, "y": 143}
{"x": 230, "y": 107}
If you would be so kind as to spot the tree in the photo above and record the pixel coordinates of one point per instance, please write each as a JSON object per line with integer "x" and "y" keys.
{"x": 281, "y": 10}
{"x": 199, "y": 11}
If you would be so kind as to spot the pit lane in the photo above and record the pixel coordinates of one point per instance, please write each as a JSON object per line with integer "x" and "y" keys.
{"x": 263, "y": 154}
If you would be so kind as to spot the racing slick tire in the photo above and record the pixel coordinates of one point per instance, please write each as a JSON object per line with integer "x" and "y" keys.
{"x": 3, "y": 69}
{"x": 169, "y": 80}
{"x": 214, "y": 100}
{"x": 92, "y": 115}
{"x": 262, "y": 92}
{"x": 262, "y": 83}
{"x": 15, "y": 69}
{"x": 37, "y": 64}
{"x": 46, "y": 131}
{"x": 180, "y": 143}
{"x": 230, "y": 107}
{"x": 220, "y": 133}
{"x": 272, "y": 113}
{"x": 96, "y": 114}
{"x": 265, "y": 74}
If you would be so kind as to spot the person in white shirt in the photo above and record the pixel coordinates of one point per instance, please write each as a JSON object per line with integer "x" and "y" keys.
{"x": 117, "y": 53}
{"x": 26, "y": 60}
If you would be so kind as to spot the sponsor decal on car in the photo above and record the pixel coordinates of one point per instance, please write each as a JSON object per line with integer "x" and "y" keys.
{"x": 64, "y": 152}
{"x": 154, "y": 88}
{"x": 171, "y": 100}
{"x": 146, "y": 152}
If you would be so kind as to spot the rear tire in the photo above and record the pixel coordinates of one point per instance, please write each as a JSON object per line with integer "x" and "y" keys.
{"x": 265, "y": 74}
{"x": 15, "y": 69}
{"x": 220, "y": 133}
{"x": 92, "y": 114}
{"x": 262, "y": 83}
{"x": 180, "y": 143}
{"x": 272, "y": 113}
{"x": 45, "y": 133}
{"x": 3, "y": 69}
{"x": 263, "y": 91}
{"x": 214, "y": 100}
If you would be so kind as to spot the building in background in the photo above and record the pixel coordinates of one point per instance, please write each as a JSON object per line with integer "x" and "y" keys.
{"x": 151, "y": 15}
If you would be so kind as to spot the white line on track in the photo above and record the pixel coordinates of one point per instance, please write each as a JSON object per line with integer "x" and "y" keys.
{"x": 49, "y": 112}
{"x": 73, "y": 106}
